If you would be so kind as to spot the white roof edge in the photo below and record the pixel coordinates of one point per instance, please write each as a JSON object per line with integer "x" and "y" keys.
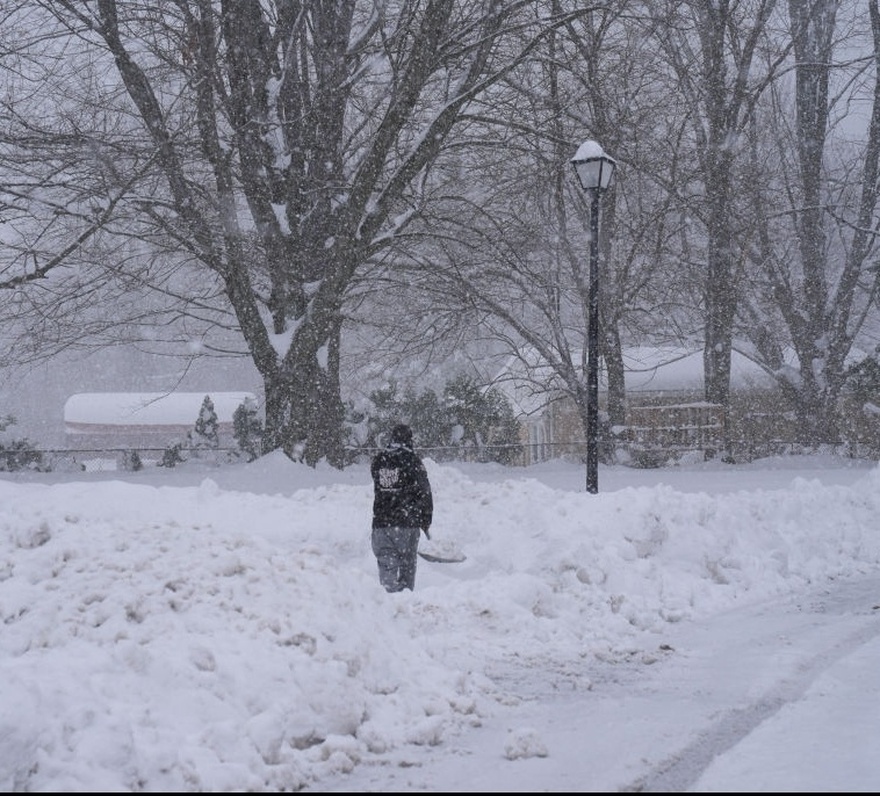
{"x": 135, "y": 408}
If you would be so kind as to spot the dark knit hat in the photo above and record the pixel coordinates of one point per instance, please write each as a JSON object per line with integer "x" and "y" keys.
{"x": 402, "y": 435}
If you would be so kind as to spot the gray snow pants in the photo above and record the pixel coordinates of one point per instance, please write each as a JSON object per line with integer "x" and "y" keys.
{"x": 396, "y": 551}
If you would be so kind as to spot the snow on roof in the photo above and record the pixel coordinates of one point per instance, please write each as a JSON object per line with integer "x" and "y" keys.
{"x": 529, "y": 387}
{"x": 667, "y": 369}
{"x": 150, "y": 408}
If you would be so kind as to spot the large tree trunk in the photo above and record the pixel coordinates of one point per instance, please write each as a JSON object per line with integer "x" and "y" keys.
{"x": 304, "y": 412}
{"x": 717, "y": 161}
{"x": 812, "y": 26}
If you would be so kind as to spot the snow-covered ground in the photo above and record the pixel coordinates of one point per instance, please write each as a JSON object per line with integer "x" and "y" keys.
{"x": 707, "y": 627}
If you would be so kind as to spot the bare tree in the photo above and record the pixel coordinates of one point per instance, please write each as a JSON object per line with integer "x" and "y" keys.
{"x": 816, "y": 253}
{"x": 279, "y": 147}
{"x": 617, "y": 92}
{"x": 724, "y": 61}
{"x": 511, "y": 257}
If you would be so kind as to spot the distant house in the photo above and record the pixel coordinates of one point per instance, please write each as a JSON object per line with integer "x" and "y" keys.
{"x": 98, "y": 421}
{"x": 666, "y": 411}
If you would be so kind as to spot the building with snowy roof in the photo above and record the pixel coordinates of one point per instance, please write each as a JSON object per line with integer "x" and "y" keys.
{"x": 111, "y": 420}
{"x": 665, "y": 406}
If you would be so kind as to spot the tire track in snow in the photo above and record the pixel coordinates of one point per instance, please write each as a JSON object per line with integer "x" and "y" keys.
{"x": 681, "y": 771}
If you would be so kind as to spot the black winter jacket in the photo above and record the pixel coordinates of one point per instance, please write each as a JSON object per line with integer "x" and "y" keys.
{"x": 401, "y": 490}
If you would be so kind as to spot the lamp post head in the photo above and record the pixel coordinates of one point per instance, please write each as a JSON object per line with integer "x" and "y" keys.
{"x": 593, "y": 167}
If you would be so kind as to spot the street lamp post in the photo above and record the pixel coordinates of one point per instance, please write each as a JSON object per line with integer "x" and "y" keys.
{"x": 594, "y": 171}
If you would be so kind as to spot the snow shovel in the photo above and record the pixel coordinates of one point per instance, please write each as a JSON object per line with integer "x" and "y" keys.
{"x": 440, "y": 552}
